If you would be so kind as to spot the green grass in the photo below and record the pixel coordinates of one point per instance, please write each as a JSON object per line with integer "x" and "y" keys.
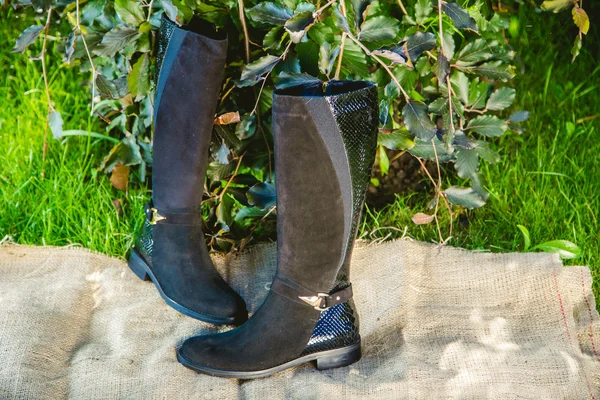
{"x": 73, "y": 202}
{"x": 547, "y": 179}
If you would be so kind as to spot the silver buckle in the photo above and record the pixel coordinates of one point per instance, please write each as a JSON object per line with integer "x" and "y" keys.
{"x": 318, "y": 302}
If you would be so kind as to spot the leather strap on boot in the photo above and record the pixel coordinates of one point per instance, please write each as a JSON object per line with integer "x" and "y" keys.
{"x": 155, "y": 216}
{"x": 319, "y": 301}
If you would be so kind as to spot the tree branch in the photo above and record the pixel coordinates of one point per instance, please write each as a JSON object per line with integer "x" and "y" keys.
{"x": 244, "y": 29}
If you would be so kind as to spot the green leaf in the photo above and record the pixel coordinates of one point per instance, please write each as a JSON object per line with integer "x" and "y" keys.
{"x": 298, "y": 25}
{"x": 272, "y": 39}
{"x": 55, "y": 122}
{"x": 423, "y": 9}
{"x": 217, "y": 172}
{"x": 269, "y": 13}
{"x": 289, "y": 79}
{"x": 70, "y": 47}
{"x": 177, "y": 11}
{"x": 449, "y": 45}
{"x": 356, "y": 10}
{"x": 395, "y": 55}
{"x": 253, "y": 72}
{"x": 418, "y": 43}
{"x": 464, "y": 196}
{"x": 476, "y": 52}
{"x": 126, "y": 152}
{"x": 556, "y": 5}
{"x": 443, "y": 68}
{"x": 460, "y": 17}
{"x": 478, "y": 187}
{"x": 424, "y": 150}
{"x": 441, "y": 107}
{"x": 321, "y": 34}
{"x": 106, "y": 87}
{"x": 478, "y": 92}
{"x": 262, "y": 195}
{"x": 519, "y": 116}
{"x": 246, "y": 127}
{"x": 460, "y": 85}
{"x": 581, "y": 19}
{"x": 486, "y": 152}
{"x": 502, "y": 98}
{"x": 116, "y": 40}
{"x": 327, "y": 57}
{"x": 249, "y": 212}
{"x": 488, "y": 125}
{"x": 526, "y": 237}
{"x": 26, "y": 38}
{"x": 417, "y": 120}
{"x": 564, "y": 248}
{"x": 494, "y": 70}
{"x": 576, "y": 48}
{"x": 138, "y": 80}
{"x": 376, "y": 29}
{"x": 383, "y": 160}
{"x": 223, "y": 212}
{"x": 354, "y": 62}
{"x": 467, "y": 162}
{"x": 398, "y": 139}
{"x": 92, "y": 10}
{"x": 463, "y": 141}
{"x": 339, "y": 20}
{"x": 130, "y": 11}
{"x": 222, "y": 154}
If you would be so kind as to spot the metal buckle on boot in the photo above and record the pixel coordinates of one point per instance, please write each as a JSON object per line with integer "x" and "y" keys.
{"x": 156, "y": 216}
{"x": 152, "y": 215}
{"x": 319, "y": 302}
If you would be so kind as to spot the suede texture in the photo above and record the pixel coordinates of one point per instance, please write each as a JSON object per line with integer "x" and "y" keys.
{"x": 188, "y": 86}
{"x": 187, "y": 94}
{"x": 313, "y": 228}
{"x": 182, "y": 265}
{"x": 311, "y": 233}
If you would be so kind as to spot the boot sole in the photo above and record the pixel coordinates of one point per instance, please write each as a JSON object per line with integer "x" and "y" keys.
{"x": 142, "y": 270}
{"x": 335, "y": 358}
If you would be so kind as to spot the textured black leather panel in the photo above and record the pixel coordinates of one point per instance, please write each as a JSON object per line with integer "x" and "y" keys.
{"x": 356, "y": 116}
{"x": 144, "y": 241}
{"x": 337, "y": 327}
{"x": 167, "y": 27}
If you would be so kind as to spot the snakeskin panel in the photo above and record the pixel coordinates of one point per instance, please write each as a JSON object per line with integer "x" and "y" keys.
{"x": 337, "y": 327}
{"x": 167, "y": 27}
{"x": 357, "y": 120}
{"x": 144, "y": 241}
{"x": 356, "y": 117}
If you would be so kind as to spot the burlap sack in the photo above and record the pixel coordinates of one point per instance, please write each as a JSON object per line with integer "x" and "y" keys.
{"x": 437, "y": 323}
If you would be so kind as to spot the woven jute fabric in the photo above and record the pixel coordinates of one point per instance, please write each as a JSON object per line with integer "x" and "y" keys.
{"x": 436, "y": 323}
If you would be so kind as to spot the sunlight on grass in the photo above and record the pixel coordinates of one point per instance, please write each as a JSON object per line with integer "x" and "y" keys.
{"x": 73, "y": 203}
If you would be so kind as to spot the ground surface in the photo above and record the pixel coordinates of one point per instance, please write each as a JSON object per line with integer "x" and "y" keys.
{"x": 547, "y": 179}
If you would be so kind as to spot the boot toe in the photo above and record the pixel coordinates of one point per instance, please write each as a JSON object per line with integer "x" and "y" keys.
{"x": 201, "y": 351}
{"x": 226, "y": 308}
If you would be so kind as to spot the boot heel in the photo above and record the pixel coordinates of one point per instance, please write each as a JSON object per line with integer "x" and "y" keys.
{"x": 339, "y": 357}
{"x": 137, "y": 265}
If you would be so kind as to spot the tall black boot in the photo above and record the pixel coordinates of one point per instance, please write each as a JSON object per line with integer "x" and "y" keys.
{"x": 325, "y": 142}
{"x": 171, "y": 250}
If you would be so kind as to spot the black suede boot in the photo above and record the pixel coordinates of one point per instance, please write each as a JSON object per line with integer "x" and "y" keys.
{"x": 171, "y": 250}
{"x": 325, "y": 142}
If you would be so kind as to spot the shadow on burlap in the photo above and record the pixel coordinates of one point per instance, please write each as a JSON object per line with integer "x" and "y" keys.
{"x": 436, "y": 323}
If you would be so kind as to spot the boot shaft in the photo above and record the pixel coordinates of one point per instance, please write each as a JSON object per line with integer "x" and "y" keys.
{"x": 325, "y": 143}
{"x": 190, "y": 62}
